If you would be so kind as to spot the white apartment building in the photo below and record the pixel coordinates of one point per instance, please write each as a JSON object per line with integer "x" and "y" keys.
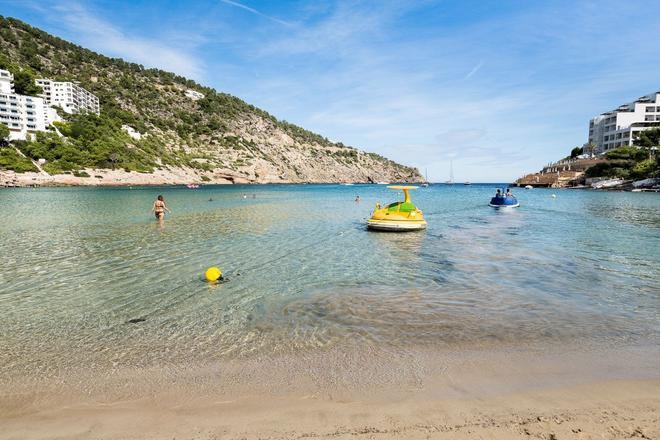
{"x": 22, "y": 114}
{"x": 6, "y": 82}
{"x": 621, "y": 126}
{"x": 69, "y": 96}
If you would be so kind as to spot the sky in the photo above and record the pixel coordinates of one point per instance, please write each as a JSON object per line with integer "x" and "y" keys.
{"x": 497, "y": 88}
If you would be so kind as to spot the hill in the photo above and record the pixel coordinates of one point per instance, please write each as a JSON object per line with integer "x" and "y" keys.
{"x": 218, "y": 138}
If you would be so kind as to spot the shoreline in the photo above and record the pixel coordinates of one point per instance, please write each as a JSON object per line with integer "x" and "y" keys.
{"x": 440, "y": 394}
{"x": 160, "y": 177}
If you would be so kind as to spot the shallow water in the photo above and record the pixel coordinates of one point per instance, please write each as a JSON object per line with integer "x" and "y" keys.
{"x": 303, "y": 276}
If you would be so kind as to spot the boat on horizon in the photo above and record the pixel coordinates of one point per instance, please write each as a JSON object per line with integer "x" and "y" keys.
{"x": 425, "y": 183}
{"x": 451, "y": 173}
{"x": 192, "y": 186}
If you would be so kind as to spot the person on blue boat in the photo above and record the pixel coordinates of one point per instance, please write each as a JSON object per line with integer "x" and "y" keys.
{"x": 504, "y": 200}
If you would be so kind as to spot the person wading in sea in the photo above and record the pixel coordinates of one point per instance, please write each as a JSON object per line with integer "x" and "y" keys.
{"x": 159, "y": 208}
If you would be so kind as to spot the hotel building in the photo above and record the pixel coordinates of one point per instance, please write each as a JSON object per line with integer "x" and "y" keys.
{"x": 20, "y": 113}
{"x": 69, "y": 96}
{"x": 621, "y": 126}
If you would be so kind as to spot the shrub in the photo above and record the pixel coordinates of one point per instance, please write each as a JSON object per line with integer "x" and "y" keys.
{"x": 627, "y": 153}
{"x": 4, "y": 131}
{"x": 11, "y": 160}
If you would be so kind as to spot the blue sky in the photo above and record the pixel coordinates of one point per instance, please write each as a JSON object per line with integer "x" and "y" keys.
{"x": 499, "y": 87}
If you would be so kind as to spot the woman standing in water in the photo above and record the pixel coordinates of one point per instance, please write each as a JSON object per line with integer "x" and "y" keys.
{"x": 159, "y": 208}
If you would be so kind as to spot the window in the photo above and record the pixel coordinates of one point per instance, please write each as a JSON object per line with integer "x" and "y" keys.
{"x": 649, "y": 118}
{"x": 650, "y": 109}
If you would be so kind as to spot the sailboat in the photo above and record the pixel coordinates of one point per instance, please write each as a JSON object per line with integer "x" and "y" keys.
{"x": 451, "y": 173}
{"x": 426, "y": 178}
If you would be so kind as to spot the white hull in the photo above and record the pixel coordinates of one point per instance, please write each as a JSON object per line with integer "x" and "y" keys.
{"x": 504, "y": 206}
{"x": 395, "y": 226}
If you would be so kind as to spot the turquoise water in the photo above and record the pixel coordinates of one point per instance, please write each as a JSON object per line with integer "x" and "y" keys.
{"x": 303, "y": 275}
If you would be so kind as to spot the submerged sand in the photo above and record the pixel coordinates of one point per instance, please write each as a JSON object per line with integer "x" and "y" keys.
{"x": 503, "y": 394}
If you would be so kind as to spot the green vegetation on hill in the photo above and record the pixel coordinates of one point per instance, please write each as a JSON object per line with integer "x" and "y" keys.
{"x": 10, "y": 159}
{"x": 637, "y": 162}
{"x": 215, "y": 131}
{"x": 4, "y": 132}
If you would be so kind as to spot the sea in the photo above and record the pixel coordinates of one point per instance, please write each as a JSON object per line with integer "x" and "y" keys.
{"x": 93, "y": 286}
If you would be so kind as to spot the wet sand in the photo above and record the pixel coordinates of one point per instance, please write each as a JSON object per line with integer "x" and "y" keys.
{"x": 604, "y": 410}
{"x": 498, "y": 395}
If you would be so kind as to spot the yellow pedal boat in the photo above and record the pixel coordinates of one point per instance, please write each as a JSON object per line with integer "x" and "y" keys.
{"x": 398, "y": 216}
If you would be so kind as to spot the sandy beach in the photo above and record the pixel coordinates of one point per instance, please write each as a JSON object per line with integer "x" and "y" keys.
{"x": 108, "y": 177}
{"x": 483, "y": 397}
{"x": 604, "y": 410}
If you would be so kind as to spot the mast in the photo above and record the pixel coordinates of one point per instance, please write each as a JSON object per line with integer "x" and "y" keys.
{"x": 451, "y": 171}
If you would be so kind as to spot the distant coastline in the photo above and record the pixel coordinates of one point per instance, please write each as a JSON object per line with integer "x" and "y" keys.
{"x": 160, "y": 177}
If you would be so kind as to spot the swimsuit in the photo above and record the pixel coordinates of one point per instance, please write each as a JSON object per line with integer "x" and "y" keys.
{"x": 159, "y": 208}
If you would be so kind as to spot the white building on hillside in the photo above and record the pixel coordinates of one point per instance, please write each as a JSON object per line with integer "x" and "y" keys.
{"x": 6, "y": 82}
{"x": 621, "y": 126}
{"x": 22, "y": 114}
{"x": 69, "y": 96}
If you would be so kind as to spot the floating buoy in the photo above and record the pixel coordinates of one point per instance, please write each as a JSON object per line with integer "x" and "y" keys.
{"x": 212, "y": 274}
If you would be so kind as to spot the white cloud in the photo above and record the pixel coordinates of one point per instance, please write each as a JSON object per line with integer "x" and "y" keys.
{"x": 256, "y": 12}
{"x": 474, "y": 70}
{"x": 101, "y": 36}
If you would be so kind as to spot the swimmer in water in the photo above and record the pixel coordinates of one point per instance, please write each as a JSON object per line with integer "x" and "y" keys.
{"x": 357, "y": 199}
{"x": 159, "y": 208}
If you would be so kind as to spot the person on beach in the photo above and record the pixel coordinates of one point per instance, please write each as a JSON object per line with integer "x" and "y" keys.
{"x": 159, "y": 208}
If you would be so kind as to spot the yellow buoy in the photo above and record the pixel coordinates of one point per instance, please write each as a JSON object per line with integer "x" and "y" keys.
{"x": 213, "y": 274}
